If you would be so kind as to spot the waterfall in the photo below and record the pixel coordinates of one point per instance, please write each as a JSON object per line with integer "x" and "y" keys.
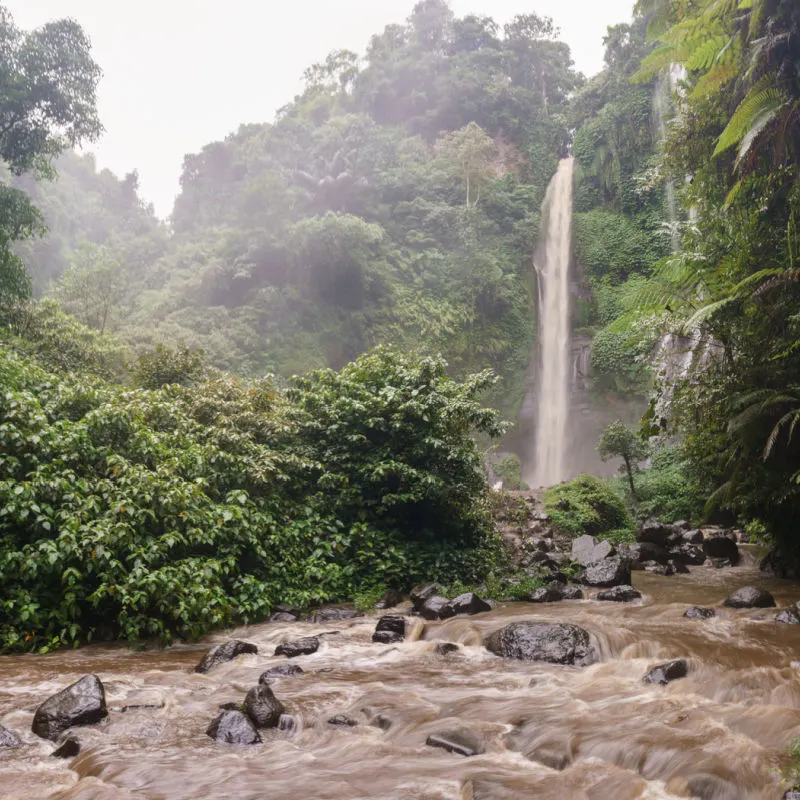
{"x": 552, "y": 263}
{"x": 663, "y": 107}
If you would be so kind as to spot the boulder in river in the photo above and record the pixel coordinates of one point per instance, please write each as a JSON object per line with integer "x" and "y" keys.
{"x": 445, "y": 648}
{"x": 391, "y": 599}
{"x": 654, "y": 531}
{"x": 687, "y": 554}
{"x": 9, "y": 738}
{"x": 678, "y": 567}
{"x": 571, "y": 593}
{"x": 750, "y": 597}
{"x": 82, "y": 703}
{"x": 436, "y": 607}
{"x": 299, "y": 647}
{"x": 386, "y": 637}
{"x": 693, "y": 537}
{"x": 281, "y": 671}
{"x": 697, "y": 612}
{"x": 555, "y": 643}
{"x": 390, "y": 629}
{"x": 282, "y": 616}
{"x": 721, "y": 547}
{"x": 233, "y": 727}
{"x": 670, "y": 671}
{"x": 470, "y": 604}
{"x": 789, "y": 616}
{"x": 343, "y": 720}
{"x": 545, "y": 594}
{"x": 620, "y": 594}
{"x": 654, "y": 568}
{"x": 223, "y": 653}
{"x": 464, "y": 743}
{"x": 422, "y": 592}
{"x": 262, "y": 707}
{"x": 642, "y": 552}
{"x": 613, "y": 571}
{"x": 586, "y": 550}
{"x": 69, "y": 748}
{"x": 335, "y": 614}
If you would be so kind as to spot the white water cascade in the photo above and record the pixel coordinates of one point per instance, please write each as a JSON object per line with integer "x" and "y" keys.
{"x": 552, "y": 263}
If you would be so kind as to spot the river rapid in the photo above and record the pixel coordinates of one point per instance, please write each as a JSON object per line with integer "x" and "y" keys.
{"x": 551, "y": 732}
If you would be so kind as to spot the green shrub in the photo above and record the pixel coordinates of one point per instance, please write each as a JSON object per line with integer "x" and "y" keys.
{"x": 667, "y": 489}
{"x": 137, "y": 513}
{"x": 509, "y": 469}
{"x": 163, "y": 366}
{"x": 587, "y": 505}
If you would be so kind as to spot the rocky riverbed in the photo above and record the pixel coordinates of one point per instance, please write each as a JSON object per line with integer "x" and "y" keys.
{"x": 446, "y": 709}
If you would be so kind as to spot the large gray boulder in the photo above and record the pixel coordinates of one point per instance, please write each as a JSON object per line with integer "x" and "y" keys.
{"x": 223, "y": 653}
{"x": 82, "y": 703}
{"x": 555, "y": 643}
{"x": 641, "y": 552}
{"x": 721, "y": 547}
{"x": 687, "y": 554}
{"x": 422, "y": 592}
{"x": 391, "y": 628}
{"x": 789, "y": 616}
{"x": 335, "y": 614}
{"x": 620, "y": 594}
{"x": 586, "y": 550}
{"x": 613, "y": 571}
{"x": 299, "y": 647}
{"x": 436, "y": 607}
{"x": 233, "y": 727}
{"x": 655, "y": 532}
{"x": 262, "y": 707}
{"x": 750, "y": 597}
{"x": 463, "y": 743}
{"x": 665, "y": 673}
{"x": 469, "y": 604}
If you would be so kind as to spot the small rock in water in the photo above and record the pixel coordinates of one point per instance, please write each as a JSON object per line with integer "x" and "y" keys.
{"x": 262, "y": 707}
{"x": 282, "y": 616}
{"x": 678, "y": 567}
{"x": 286, "y": 723}
{"x": 9, "y": 738}
{"x": 423, "y": 592}
{"x": 223, "y": 653}
{"x": 721, "y": 547}
{"x": 789, "y": 616}
{"x": 613, "y": 571}
{"x": 654, "y": 568}
{"x": 469, "y": 603}
{"x": 642, "y": 552}
{"x": 555, "y": 643}
{"x": 464, "y": 743}
{"x": 69, "y": 749}
{"x": 620, "y": 594}
{"x": 445, "y": 648}
{"x": 664, "y": 673}
{"x": 335, "y": 614}
{"x": 281, "y": 671}
{"x": 750, "y": 597}
{"x": 697, "y": 612}
{"x": 392, "y": 623}
{"x": 381, "y": 721}
{"x": 391, "y": 599}
{"x": 545, "y": 595}
{"x": 82, "y": 703}
{"x": 300, "y": 647}
{"x": 571, "y": 593}
{"x": 233, "y": 727}
{"x": 687, "y": 554}
{"x": 387, "y": 637}
{"x": 436, "y": 607}
{"x": 344, "y": 720}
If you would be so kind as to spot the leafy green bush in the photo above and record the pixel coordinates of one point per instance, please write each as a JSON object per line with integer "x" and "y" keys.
{"x": 667, "y": 489}
{"x": 587, "y": 505}
{"x": 137, "y": 513}
{"x": 163, "y": 366}
{"x": 509, "y": 469}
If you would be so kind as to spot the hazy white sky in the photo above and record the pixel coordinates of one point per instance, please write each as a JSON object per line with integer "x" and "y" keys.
{"x": 179, "y": 74}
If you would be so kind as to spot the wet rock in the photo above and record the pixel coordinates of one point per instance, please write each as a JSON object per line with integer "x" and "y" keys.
{"x": 281, "y": 671}
{"x": 381, "y": 721}
{"x": 682, "y": 525}
{"x": 718, "y": 563}
{"x": 721, "y": 547}
{"x": 678, "y": 567}
{"x": 282, "y": 616}
{"x": 750, "y": 597}
{"x": 470, "y": 604}
{"x": 9, "y": 738}
{"x": 82, "y": 703}
{"x": 548, "y": 594}
{"x": 68, "y": 749}
{"x": 654, "y": 568}
{"x": 555, "y": 643}
{"x": 464, "y": 743}
{"x": 223, "y": 653}
{"x": 697, "y": 612}
{"x": 436, "y": 607}
{"x": 620, "y": 594}
{"x": 392, "y": 623}
{"x": 693, "y": 537}
{"x": 789, "y": 616}
{"x": 586, "y": 550}
{"x": 343, "y": 720}
{"x": 445, "y": 648}
{"x": 540, "y": 543}
{"x": 262, "y": 707}
{"x": 229, "y": 707}
{"x": 391, "y": 599}
{"x": 387, "y": 637}
{"x": 642, "y": 552}
{"x": 670, "y": 671}
{"x": 423, "y": 592}
{"x": 655, "y": 532}
{"x": 609, "y": 572}
{"x": 286, "y": 723}
{"x": 687, "y": 554}
{"x": 780, "y": 566}
{"x": 299, "y": 647}
{"x": 335, "y": 614}
{"x": 233, "y": 727}
{"x": 571, "y": 593}
{"x": 545, "y": 561}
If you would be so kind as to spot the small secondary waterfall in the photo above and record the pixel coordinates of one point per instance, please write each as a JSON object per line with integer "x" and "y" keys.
{"x": 552, "y": 264}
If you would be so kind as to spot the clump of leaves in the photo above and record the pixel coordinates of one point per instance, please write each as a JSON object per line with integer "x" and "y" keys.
{"x": 587, "y": 505}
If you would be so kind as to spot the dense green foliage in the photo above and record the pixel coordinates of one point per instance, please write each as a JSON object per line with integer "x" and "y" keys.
{"x": 620, "y": 441}
{"x": 588, "y": 505}
{"x": 137, "y": 513}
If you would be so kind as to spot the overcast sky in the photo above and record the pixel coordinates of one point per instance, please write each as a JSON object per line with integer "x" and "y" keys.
{"x": 179, "y": 74}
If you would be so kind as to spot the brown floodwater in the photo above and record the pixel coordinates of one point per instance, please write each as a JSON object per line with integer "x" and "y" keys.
{"x": 556, "y": 733}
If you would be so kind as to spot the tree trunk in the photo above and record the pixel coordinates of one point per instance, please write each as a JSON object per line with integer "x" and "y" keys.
{"x": 629, "y": 471}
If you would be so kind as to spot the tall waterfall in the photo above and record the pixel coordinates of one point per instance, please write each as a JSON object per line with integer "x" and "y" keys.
{"x": 552, "y": 264}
